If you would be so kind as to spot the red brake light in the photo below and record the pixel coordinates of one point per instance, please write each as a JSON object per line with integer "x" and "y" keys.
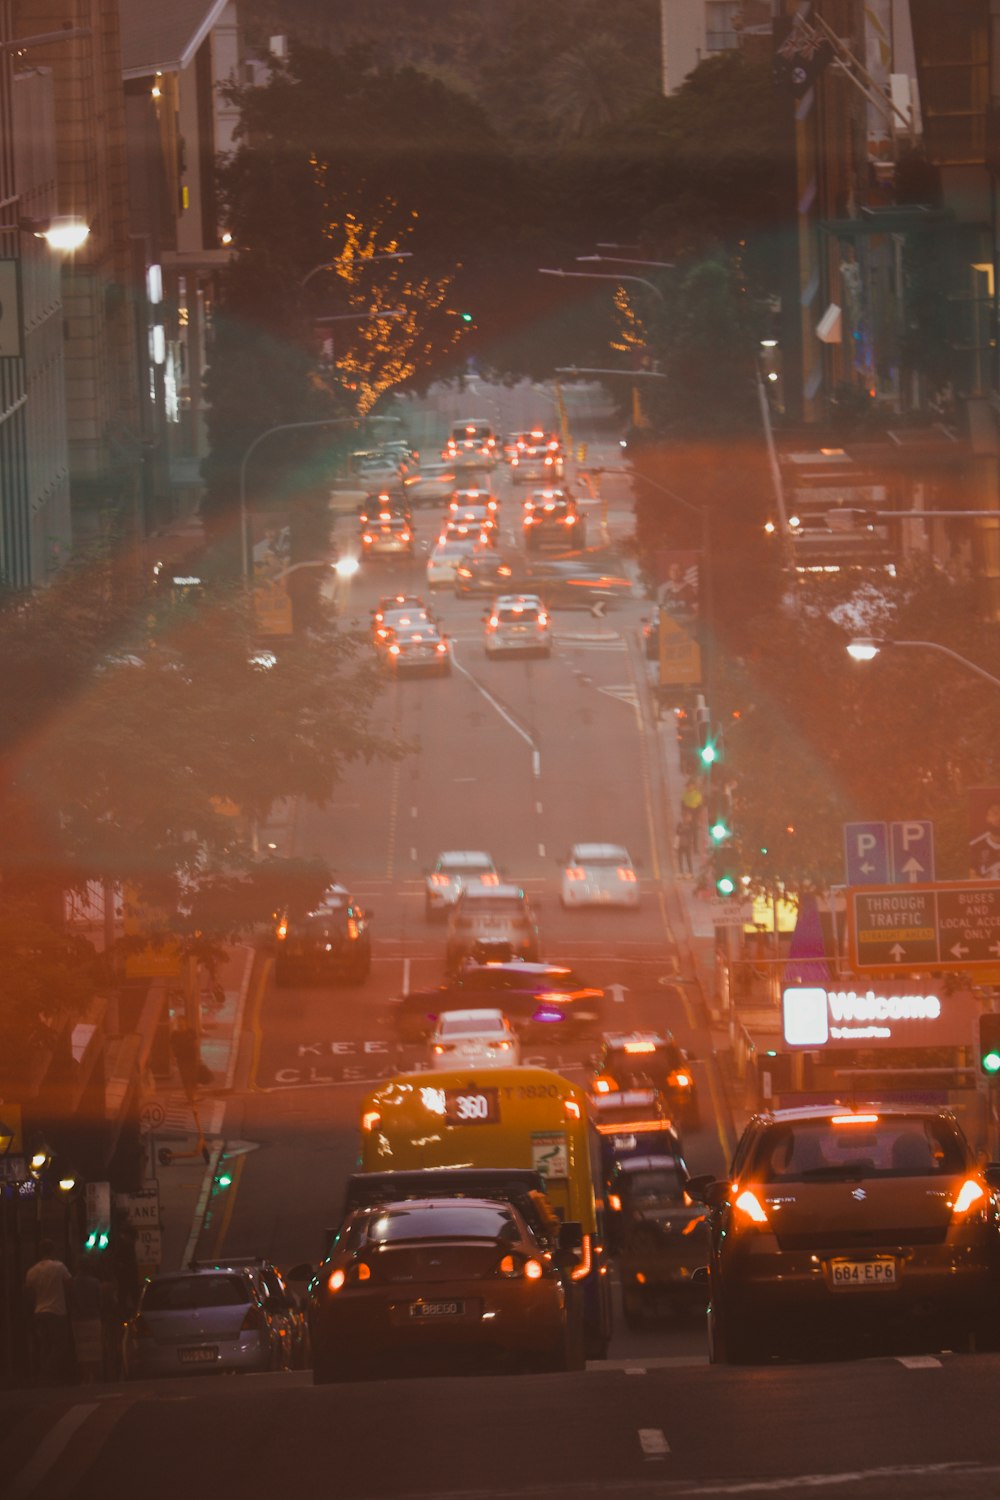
{"x": 624, "y": 873}
{"x": 576, "y": 874}
{"x": 749, "y": 1206}
{"x": 336, "y": 1279}
{"x": 971, "y": 1194}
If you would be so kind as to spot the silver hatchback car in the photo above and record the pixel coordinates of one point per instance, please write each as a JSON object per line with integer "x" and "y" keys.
{"x": 202, "y": 1320}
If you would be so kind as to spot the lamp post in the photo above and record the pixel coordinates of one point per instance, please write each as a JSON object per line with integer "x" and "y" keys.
{"x": 603, "y": 276}
{"x": 866, "y": 648}
{"x": 357, "y": 260}
{"x": 622, "y": 260}
{"x": 260, "y": 438}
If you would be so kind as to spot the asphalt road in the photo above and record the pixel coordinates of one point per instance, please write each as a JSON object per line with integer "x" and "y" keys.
{"x": 521, "y": 758}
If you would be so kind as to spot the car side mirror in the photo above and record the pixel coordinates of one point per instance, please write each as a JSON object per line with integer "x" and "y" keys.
{"x": 697, "y": 1187}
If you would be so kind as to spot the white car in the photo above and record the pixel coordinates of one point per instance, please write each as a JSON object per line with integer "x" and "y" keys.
{"x": 599, "y": 875}
{"x": 474, "y": 1038}
{"x": 453, "y": 871}
{"x": 520, "y": 623}
{"x": 444, "y": 560}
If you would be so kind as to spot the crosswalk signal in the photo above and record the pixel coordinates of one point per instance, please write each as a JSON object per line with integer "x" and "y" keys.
{"x": 989, "y": 1043}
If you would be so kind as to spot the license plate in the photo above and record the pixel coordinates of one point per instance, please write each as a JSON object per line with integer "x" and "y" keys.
{"x": 851, "y": 1274}
{"x": 437, "y": 1309}
{"x": 207, "y": 1354}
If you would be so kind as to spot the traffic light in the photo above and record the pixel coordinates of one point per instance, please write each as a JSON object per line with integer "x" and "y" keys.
{"x": 989, "y": 1043}
{"x": 719, "y": 829}
{"x": 725, "y": 869}
{"x": 97, "y": 1216}
{"x": 466, "y": 317}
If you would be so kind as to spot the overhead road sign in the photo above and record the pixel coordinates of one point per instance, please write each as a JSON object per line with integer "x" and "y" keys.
{"x": 905, "y": 928}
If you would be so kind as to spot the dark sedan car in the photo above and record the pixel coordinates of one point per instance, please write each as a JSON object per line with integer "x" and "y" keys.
{"x": 840, "y": 1221}
{"x": 483, "y": 573}
{"x": 491, "y": 922}
{"x": 329, "y": 941}
{"x": 658, "y": 1235}
{"x": 543, "y": 1001}
{"x": 424, "y": 1282}
{"x": 643, "y": 1059}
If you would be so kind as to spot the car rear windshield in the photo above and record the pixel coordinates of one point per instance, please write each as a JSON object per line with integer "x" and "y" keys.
{"x": 476, "y": 1026}
{"x": 604, "y": 861}
{"x": 524, "y": 615}
{"x": 182, "y": 1293}
{"x": 894, "y": 1146}
{"x": 450, "y": 1221}
{"x": 664, "y": 1184}
{"x": 616, "y": 1113}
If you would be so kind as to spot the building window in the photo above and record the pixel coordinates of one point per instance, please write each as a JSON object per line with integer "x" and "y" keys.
{"x": 721, "y": 24}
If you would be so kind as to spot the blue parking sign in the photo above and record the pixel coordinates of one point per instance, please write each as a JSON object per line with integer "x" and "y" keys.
{"x": 912, "y": 845}
{"x": 866, "y": 853}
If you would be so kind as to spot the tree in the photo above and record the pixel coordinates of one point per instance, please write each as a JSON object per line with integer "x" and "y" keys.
{"x": 46, "y": 977}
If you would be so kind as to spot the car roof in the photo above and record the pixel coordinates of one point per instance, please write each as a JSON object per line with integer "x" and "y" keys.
{"x": 625, "y": 1098}
{"x": 483, "y": 1013}
{"x": 459, "y": 857}
{"x": 648, "y": 1163}
{"x": 872, "y": 1106}
{"x": 408, "y": 1204}
{"x": 583, "y": 852}
{"x": 486, "y": 893}
{"x": 623, "y": 1038}
{"x": 511, "y": 601}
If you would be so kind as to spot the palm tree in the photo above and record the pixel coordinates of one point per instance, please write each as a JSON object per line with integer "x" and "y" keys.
{"x": 590, "y": 86}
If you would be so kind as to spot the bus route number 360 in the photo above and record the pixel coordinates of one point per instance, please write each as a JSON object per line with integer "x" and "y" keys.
{"x": 471, "y": 1106}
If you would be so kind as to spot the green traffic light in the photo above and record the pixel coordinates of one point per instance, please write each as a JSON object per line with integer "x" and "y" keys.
{"x": 725, "y": 885}
{"x": 991, "y": 1062}
{"x": 708, "y": 755}
{"x": 719, "y": 832}
{"x": 224, "y": 1180}
{"x": 466, "y": 317}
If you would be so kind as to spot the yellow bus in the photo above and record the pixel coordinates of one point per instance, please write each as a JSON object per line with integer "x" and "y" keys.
{"x": 504, "y": 1117}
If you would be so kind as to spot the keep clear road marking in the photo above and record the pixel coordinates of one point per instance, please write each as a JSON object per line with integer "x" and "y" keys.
{"x": 652, "y": 1442}
{"x": 918, "y": 1362}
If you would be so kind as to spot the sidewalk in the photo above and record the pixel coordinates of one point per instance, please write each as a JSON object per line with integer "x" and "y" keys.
{"x": 184, "y": 1170}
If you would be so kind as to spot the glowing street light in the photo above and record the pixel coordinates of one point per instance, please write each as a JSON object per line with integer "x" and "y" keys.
{"x": 866, "y": 648}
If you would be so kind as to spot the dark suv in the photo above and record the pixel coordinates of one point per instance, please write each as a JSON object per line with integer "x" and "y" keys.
{"x": 329, "y": 941}
{"x": 839, "y": 1220}
{"x": 551, "y": 519}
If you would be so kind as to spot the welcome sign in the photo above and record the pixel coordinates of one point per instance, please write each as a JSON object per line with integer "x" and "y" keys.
{"x": 815, "y": 1016}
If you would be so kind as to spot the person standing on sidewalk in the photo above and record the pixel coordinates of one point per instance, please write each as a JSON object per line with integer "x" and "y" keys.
{"x": 684, "y": 845}
{"x": 86, "y": 1321}
{"x": 45, "y": 1284}
{"x": 691, "y": 806}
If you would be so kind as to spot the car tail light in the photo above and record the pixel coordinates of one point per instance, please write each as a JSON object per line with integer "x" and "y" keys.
{"x": 491, "y": 878}
{"x": 371, "y": 1119}
{"x": 393, "y": 650}
{"x": 615, "y": 1202}
{"x": 281, "y": 931}
{"x": 440, "y": 880}
{"x": 362, "y": 1271}
{"x": 604, "y": 1085}
{"x": 405, "y": 536}
{"x": 353, "y": 930}
{"x": 570, "y": 520}
{"x": 442, "y": 647}
{"x": 543, "y": 618}
{"x": 576, "y": 874}
{"x": 530, "y": 520}
{"x": 367, "y": 538}
{"x": 583, "y": 1269}
{"x": 531, "y": 1269}
{"x": 626, "y": 874}
{"x": 750, "y": 1208}
{"x": 970, "y": 1195}
{"x": 336, "y": 1279}
{"x": 254, "y": 1320}
{"x": 679, "y": 1080}
{"x": 442, "y": 1047}
{"x": 493, "y": 622}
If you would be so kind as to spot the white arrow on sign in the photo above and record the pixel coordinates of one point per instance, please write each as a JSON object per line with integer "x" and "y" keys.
{"x": 617, "y": 992}
{"x": 959, "y": 950}
{"x": 867, "y": 868}
{"x": 913, "y": 870}
{"x": 898, "y": 951}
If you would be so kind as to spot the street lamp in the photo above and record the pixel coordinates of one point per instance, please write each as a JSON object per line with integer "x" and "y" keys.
{"x": 261, "y": 436}
{"x": 356, "y": 260}
{"x": 866, "y": 648}
{"x": 603, "y": 276}
{"x": 60, "y": 231}
{"x": 621, "y": 260}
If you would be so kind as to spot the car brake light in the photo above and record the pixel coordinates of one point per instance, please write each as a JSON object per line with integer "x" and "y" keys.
{"x": 750, "y": 1205}
{"x": 336, "y": 1279}
{"x": 441, "y": 647}
{"x": 970, "y": 1195}
{"x": 543, "y": 618}
{"x": 367, "y": 538}
{"x": 530, "y": 520}
{"x": 533, "y": 1270}
{"x": 626, "y": 874}
{"x": 854, "y": 1119}
{"x": 633, "y": 1047}
{"x": 370, "y": 1119}
{"x": 583, "y": 1269}
{"x": 353, "y": 931}
{"x": 576, "y": 874}
{"x": 281, "y": 932}
{"x": 394, "y": 650}
{"x": 679, "y": 1080}
{"x": 405, "y": 535}
{"x": 603, "y": 1085}
{"x": 570, "y": 520}
{"x": 441, "y": 1047}
{"x": 362, "y": 1271}
{"x": 493, "y": 622}
{"x": 440, "y": 879}
{"x": 615, "y": 1202}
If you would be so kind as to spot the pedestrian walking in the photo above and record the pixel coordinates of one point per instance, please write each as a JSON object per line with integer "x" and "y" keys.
{"x": 45, "y": 1284}
{"x": 684, "y": 847}
{"x": 86, "y": 1321}
{"x": 184, "y": 1046}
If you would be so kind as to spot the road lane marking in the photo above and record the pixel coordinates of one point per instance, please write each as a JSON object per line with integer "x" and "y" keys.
{"x": 541, "y": 851}
{"x": 653, "y": 1443}
{"x": 538, "y": 807}
{"x": 507, "y": 718}
{"x": 27, "y": 1480}
{"x": 634, "y": 1370}
{"x": 919, "y": 1362}
{"x": 390, "y": 853}
{"x": 847, "y": 1476}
